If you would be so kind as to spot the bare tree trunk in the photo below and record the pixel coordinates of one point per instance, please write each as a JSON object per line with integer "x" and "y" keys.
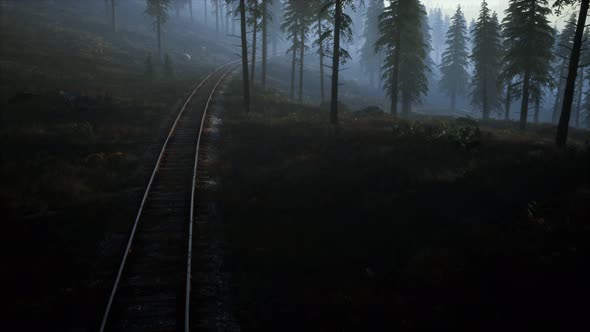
{"x": 485, "y": 105}
{"x": 113, "y": 15}
{"x": 245, "y": 80}
{"x": 254, "y": 32}
{"x": 570, "y": 84}
{"x": 220, "y": 5}
{"x": 159, "y": 32}
{"x": 395, "y": 74}
{"x": 336, "y": 63}
{"x": 508, "y": 101}
{"x": 293, "y": 62}
{"x": 557, "y": 98}
{"x": 190, "y": 9}
{"x": 205, "y": 14}
{"x": 301, "y": 53}
{"x": 233, "y": 26}
{"x": 321, "y": 52}
{"x": 580, "y": 92}
{"x": 537, "y": 109}
{"x": 217, "y": 16}
{"x": 524, "y": 105}
{"x": 264, "y": 40}
{"x": 227, "y": 13}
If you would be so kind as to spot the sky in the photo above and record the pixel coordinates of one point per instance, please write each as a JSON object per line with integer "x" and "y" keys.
{"x": 471, "y": 8}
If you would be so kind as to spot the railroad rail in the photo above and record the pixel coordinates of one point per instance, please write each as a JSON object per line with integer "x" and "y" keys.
{"x": 152, "y": 287}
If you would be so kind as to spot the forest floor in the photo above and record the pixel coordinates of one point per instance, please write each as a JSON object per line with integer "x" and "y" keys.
{"x": 80, "y": 127}
{"x": 407, "y": 224}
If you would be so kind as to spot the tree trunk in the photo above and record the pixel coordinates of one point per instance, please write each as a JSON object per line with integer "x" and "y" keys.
{"x": 190, "y": 8}
{"x": 220, "y": 13}
{"x": 227, "y": 13}
{"x": 205, "y": 12}
{"x": 537, "y": 109}
{"x": 508, "y": 101}
{"x": 395, "y": 74}
{"x": 580, "y": 92}
{"x": 524, "y": 105}
{"x": 245, "y": 80}
{"x": 113, "y": 15}
{"x": 217, "y": 16}
{"x": 321, "y": 52}
{"x": 336, "y": 63}
{"x": 254, "y": 32}
{"x": 158, "y": 31}
{"x": 453, "y": 102}
{"x": 485, "y": 105}
{"x": 557, "y": 98}
{"x": 264, "y": 41}
{"x": 293, "y": 62}
{"x": 233, "y": 25}
{"x": 301, "y": 53}
{"x": 570, "y": 84}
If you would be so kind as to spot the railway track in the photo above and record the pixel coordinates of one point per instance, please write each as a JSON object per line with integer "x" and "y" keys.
{"x": 152, "y": 288}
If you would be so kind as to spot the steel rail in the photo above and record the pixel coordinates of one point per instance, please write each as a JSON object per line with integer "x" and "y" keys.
{"x": 145, "y": 196}
{"x": 193, "y": 191}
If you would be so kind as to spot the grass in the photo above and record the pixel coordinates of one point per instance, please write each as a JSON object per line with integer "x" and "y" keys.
{"x": 400, "y": 224}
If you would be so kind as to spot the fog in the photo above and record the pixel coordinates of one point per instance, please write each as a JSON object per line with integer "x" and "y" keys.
{"x": 294, "y": 165}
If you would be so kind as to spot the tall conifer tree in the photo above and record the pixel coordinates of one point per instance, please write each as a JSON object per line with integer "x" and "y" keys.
{"x": 405, "y": 50}
{"x": 453, "y": 67}
{"x": 486, "y": 56}
{"x": 528, "y": 43}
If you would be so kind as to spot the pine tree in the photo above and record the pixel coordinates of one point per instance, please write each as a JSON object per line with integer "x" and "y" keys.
{"x": 340, "y": 30}
{"x": 404, "y": 45}
{"x": 562, "y": 49}
{"x": 568, "y": 95}
{"x": 453, "y": 67}
{"x": 158, "y": 10}
{"x": 427, "y": 38}
{"x": 486, "y": 56}
{"x": 216, "y": 10}
{"x": 266, "y": 21}
{"x": 528, "y": 41}
{"x": 253, "y": 20}
{"x": 470, "y": 31}
{"x": 585, "y": 61}
{"x": 276, "y": 13}
{"x": 438, "y": 33}
{"x": 296, "y": 26}
{"x": 370, "y": 60}
{"x": 245, "y": 78}
{"x": 321, "y": 30}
